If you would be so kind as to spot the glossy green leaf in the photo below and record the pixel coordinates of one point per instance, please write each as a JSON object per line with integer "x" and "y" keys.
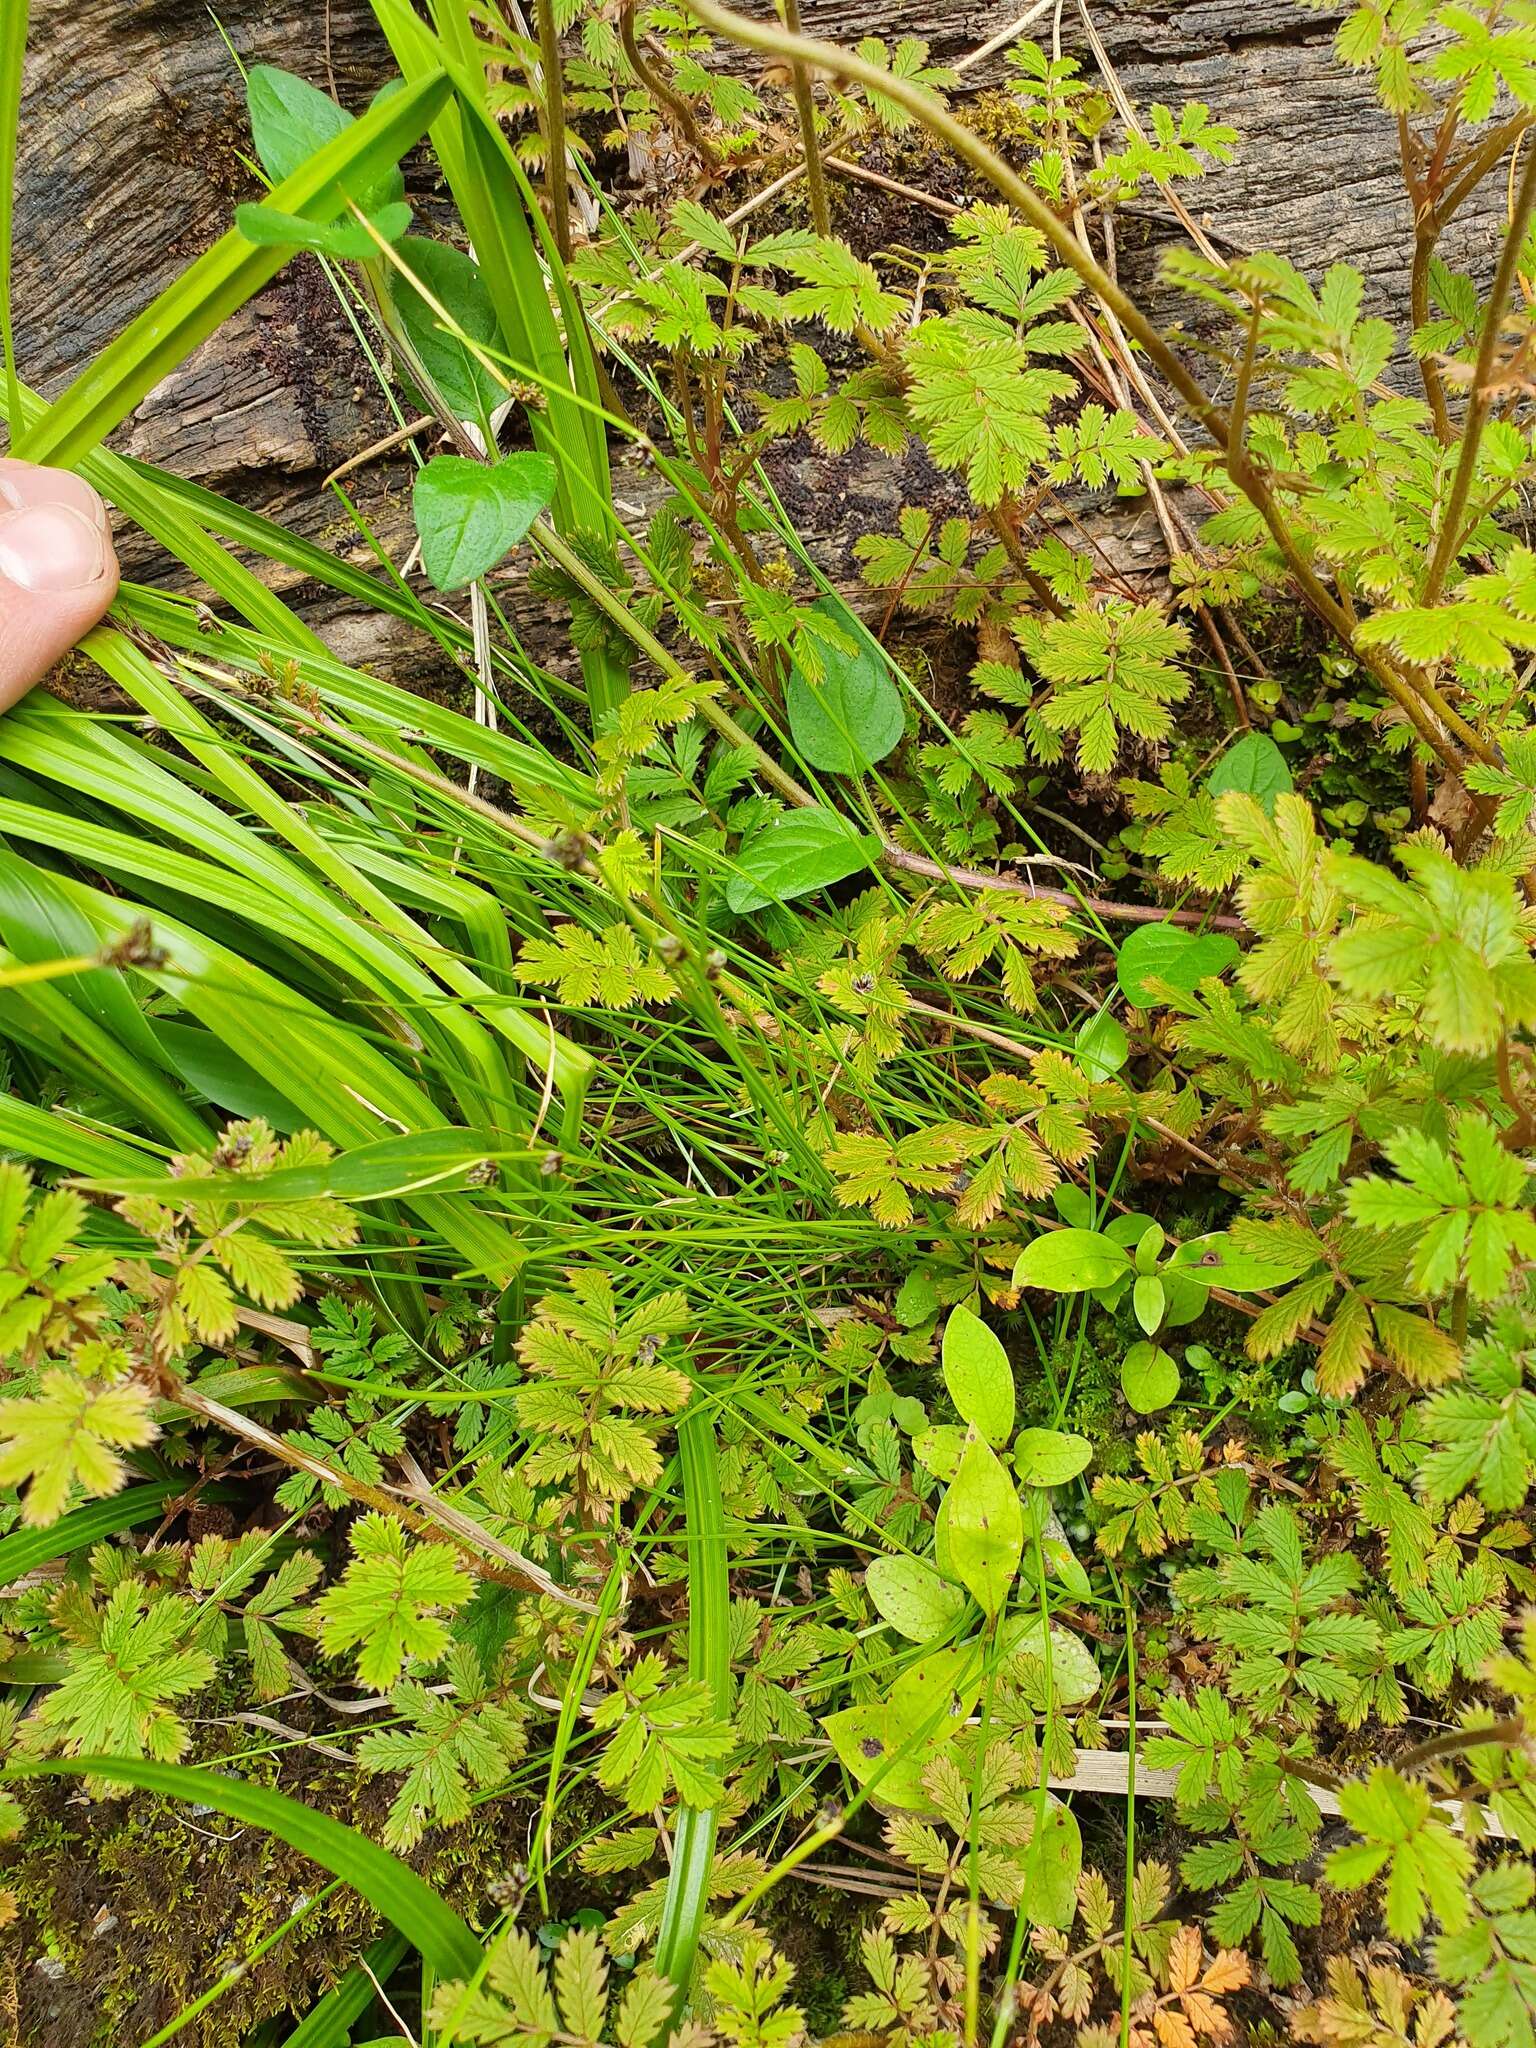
{"x": 453, "y": 280}
{"x": 912, "y": 1597}
{"x": 1050, "y": 1457}
{"x": 1053, "y": 1863}
{"x": 290, "y": 119}
{"x": 795, "y": 853}
{"x": 220, "y": 282}
{"x": 1255, "y": 767}
{"x": 1168, "y": 954}
{"x": 346, "y": 240}
{"x": 469, "y": 515}
{"x": 1102, "y": 1046}
{"x": 1149, "y": 1378}
{"x": 985, "y": 1526}
{"x": 851, "y": 717}
{"x": 978, "y": 1375}
{"x": 1071, "y": 1262}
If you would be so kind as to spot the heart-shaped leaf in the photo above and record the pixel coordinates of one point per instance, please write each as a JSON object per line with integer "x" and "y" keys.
{"x": 1254, "y": 767}
{"x": 1166, "y": 953}
{"x": 468, "y": 514}
{"x": 795, "y": 853}
{"x": 851, "y": 717}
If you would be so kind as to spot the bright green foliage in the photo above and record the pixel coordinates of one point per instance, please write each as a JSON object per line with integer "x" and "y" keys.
{"x": 1465, "y": 1209}
{"x": 1291, "y": 901}
{"x": 1009, "y": 931}
{"x": 885, "y": 1174}
{"x": 72, "y": 1431}
{"x": 389, "y": 1604}
{"x": 597, "y": 1386}
{"x": 355, "y": 1434}
{"x": 518, "y": 2006}
{"x": 48, "y": 1285}
{"x": 219, "y": 1246}
{"x": 130, "y": 1657}
{"x": 979, "y": 401}
{"x": 447, "y": 1744}
{"x": 1456, "y": 942}
{"x": 665, "y": 1740}
{"x": 1484, "y": 1428}
{"x": 1425, "y": 1866}
{"x": 1111, "y": 672}
{"x": 584, "y": 967}
{"x": 896, "y": 1176}
{"x": 1291, "y": 1626}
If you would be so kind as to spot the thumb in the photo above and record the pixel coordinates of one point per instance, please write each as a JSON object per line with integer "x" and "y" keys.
{"x": 58, "y": 573}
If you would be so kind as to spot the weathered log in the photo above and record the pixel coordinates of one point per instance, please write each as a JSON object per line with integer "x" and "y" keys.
{"x": 131, "y": 161}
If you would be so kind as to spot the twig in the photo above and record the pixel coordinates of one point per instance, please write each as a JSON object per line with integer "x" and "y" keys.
{"x": 894, "y": 856}
{"x": 1004, "y": 36}
{"x": 487, "y": 1555}
{"x": 366, "y": 455}
{"x": 805, "y": 108}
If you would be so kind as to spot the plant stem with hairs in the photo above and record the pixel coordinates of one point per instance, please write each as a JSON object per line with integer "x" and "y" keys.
{"x": 1436, "y": 722}
{"x": 552, "y": 120}
{"x": 1449, "y": 534}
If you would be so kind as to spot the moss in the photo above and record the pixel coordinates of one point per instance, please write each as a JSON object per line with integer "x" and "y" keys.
{"x": 129, "y": 1908}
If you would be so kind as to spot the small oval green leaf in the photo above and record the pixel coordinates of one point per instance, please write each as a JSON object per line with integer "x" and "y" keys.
{"x": 912, "y": 1597}
{"x": 978, "y": 1375}
{"x": 985, "y": 1526}
{"x": 1071, "y": 1262}
{"x": 1149, "y": 1378}
{"x": 1149, "y": 1298}
{"x": 1050, "y": 1457}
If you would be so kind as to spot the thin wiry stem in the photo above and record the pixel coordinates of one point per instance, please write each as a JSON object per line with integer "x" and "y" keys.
{"x": 1436, "y": 721}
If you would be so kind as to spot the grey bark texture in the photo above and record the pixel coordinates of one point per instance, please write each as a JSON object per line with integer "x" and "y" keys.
{"x": 133, "y": 133}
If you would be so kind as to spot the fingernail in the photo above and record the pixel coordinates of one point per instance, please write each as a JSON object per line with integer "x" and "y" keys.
{"x": 51, "y": 547}
{"x": 19, "y": 489}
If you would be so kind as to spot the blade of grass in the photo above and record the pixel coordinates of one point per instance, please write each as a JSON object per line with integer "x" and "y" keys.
{"x": 709, "y": 1662}
{"x": 329, "y": 2024}
{"x": 390, "y": 1886}
{"x": 25, "y": 1549}
{"x": 221, "y": 281}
